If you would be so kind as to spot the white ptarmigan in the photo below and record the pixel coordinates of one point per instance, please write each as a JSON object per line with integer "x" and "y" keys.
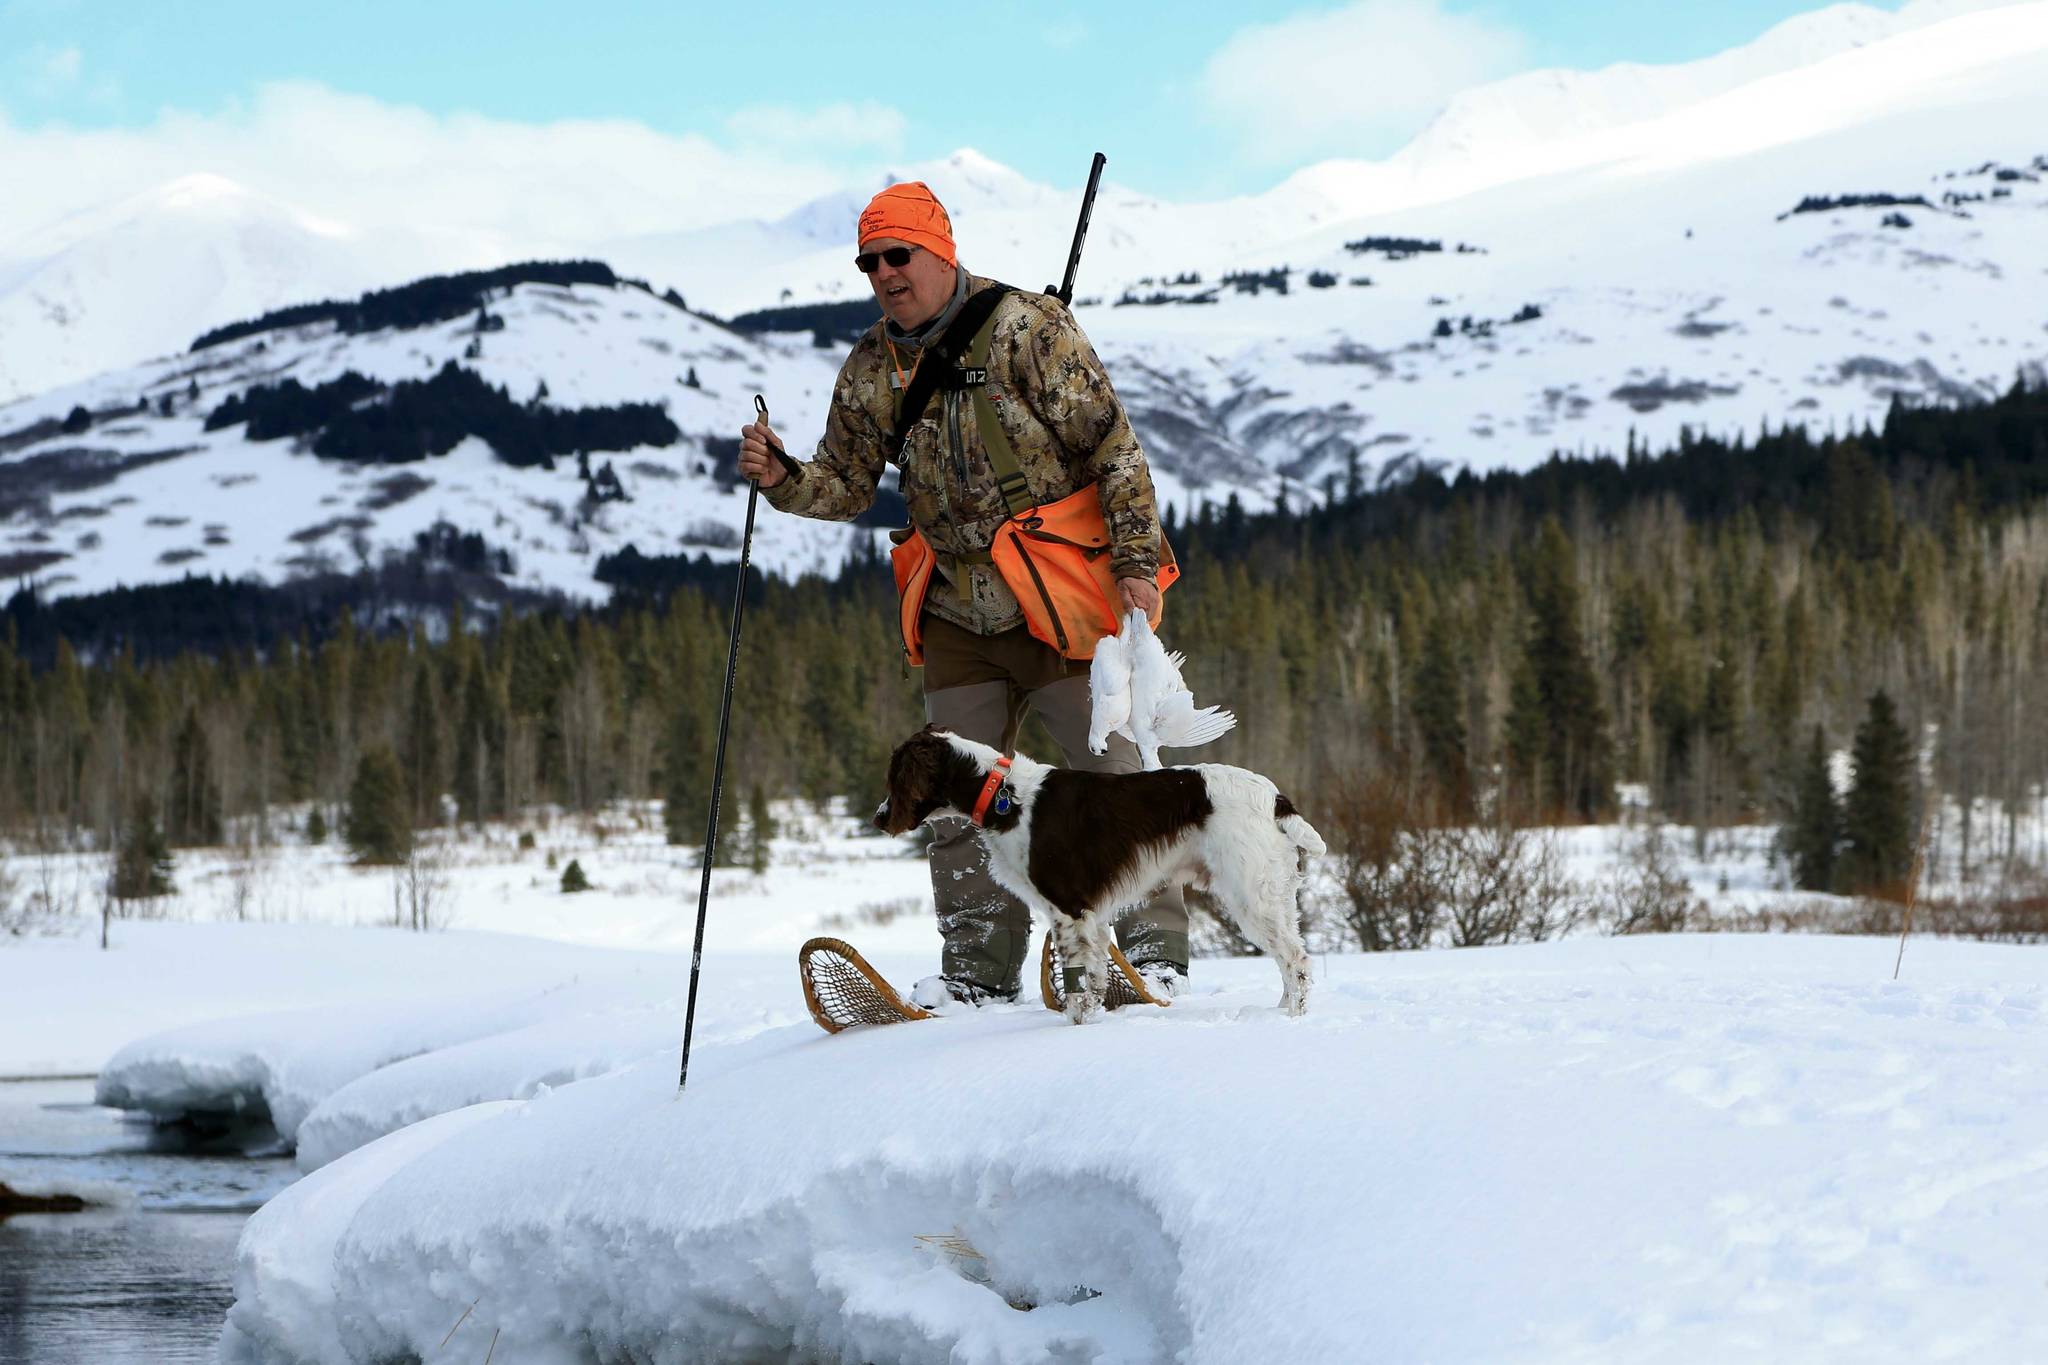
{"x": 1137, "y": 691}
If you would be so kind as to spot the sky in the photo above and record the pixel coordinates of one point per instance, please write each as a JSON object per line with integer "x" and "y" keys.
{"x": 1191, "y": 100}
{"x": 465, "y": 130}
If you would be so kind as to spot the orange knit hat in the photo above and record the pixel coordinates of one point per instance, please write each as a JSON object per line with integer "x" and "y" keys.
{"x": 909, "y": 212}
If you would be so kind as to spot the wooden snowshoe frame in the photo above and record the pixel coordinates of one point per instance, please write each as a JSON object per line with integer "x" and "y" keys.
{"x": 842, "y": 990}
{"x": 1126, "y": 987}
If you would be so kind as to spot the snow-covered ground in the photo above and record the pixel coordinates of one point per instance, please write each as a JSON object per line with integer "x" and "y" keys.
{"x": 298, "y": 926}
{"x": 1615, "y": 1149}
{"x": 1682, "y": 1147}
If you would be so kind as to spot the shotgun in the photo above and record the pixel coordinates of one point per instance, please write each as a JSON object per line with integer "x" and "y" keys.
{"x": 1065, "y": 293}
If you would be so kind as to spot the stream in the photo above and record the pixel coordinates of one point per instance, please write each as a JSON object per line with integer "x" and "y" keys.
{"x": 147, "y": 1274}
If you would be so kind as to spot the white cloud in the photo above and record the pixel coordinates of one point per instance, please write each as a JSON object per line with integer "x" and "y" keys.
{"x": 491, "y": 185}
{"x": 55, "y": 65}
{"x": 1351, "y": 81}
{"x": 831, "y": 128}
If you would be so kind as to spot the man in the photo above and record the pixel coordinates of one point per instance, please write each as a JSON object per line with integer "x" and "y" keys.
{"x": 984, "y": 671}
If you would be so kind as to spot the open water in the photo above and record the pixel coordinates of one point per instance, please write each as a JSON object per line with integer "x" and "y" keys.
{"x": 147, "y": 1276}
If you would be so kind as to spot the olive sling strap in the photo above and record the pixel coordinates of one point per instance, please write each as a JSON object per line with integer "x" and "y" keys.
{"x": 1055, "y": 557}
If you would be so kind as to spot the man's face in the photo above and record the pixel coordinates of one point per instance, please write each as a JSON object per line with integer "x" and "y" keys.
{"x": 915, "y": 292}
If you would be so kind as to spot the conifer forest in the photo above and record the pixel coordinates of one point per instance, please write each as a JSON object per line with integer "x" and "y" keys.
{"x": 1703, "y": 625}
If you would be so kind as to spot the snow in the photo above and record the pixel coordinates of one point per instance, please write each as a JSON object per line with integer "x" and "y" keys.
{"x": 215, "y": 503}
{"x": 1647, "y": 1149}
{"x": 114, "y": 285}
{"x": 1668, "y": 1148}
{"x": 297, "y": 928}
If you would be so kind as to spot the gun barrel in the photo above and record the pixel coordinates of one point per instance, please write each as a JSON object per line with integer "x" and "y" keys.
{"x": 1066, "y": 289}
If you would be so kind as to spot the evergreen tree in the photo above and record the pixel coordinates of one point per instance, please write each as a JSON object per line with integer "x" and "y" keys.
{"x": 760, "y": 829}
{"x": 574, "y": 879}
{"x": 376, "y": 825}
{"x": 1859, "y": 515}
{"x": 1558, "y": 730}
{"x": 192, "y": 815}
{"x": 1438, "y": 706}
{"x": 142, "y": 860}
{"x": 1812, "y": 832}
{"x": 476, "y": 793}
{"x": 421, "y": 754}
{"x": 686, "y": 778}
{"x": 316, "y": 826}
{"x": 1877, "y": 821}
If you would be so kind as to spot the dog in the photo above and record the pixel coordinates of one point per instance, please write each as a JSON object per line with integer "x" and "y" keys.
{"x": 1074, "y": 846}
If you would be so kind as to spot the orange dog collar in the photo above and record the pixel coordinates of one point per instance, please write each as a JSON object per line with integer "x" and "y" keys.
{"x": 996, "y": 776}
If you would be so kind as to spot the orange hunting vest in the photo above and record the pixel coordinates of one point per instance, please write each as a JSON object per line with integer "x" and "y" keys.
{"x": 1054, "y": 556}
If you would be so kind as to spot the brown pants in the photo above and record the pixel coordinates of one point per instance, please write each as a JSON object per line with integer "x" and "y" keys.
{"x": 982, "y": 687}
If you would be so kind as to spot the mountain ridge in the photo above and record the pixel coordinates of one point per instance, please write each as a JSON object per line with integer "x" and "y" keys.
{"x": 1806, "y": 246}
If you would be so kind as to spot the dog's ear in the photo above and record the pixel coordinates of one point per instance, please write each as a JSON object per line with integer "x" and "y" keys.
{"x": 913, "y": 775}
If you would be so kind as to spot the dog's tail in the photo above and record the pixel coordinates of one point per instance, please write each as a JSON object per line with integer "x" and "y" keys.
{"x": 1297, "y": 829}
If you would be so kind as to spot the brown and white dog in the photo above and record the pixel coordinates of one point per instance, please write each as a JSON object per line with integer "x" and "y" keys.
{"x": 1075, "y": 846}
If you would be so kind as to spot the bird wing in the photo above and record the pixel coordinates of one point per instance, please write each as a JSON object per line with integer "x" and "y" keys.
{"x": 1186, "y": 729}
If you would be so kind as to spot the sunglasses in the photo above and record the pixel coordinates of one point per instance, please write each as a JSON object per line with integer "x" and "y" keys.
{"x": 868, "y": 262}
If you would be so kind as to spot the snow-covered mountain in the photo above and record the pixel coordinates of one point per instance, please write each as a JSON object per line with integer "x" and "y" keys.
{"x": 145, "y": 491}
{"x": 127, "y": 280}
{"x": 1852, "y": 208}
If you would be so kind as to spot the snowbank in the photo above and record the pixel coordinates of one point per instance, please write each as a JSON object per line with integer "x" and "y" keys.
{"x": 1669, "y": 1149}
{"x": 69, "y": 1007}
{"x": 284, "y": 1065}
{"x": 509, "y": 1023}
{"x": 75, "y": 1006}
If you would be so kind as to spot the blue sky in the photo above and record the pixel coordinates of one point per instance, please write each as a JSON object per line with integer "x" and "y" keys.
{"x": 1190, "y": 100}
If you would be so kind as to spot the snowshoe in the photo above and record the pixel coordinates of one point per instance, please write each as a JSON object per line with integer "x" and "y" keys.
{"x": 843, "y": 990}
{"x": 1126, "y": 987}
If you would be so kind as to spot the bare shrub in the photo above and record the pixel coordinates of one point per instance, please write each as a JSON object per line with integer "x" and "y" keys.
{"x": 14, "y": 915}
{"x": 1811, "y": 913}
{"x": 55, "y": 888}
{"x": 1408, "y": 883}
{"x": 1389, "y": 901}
{"x": 247, "y": 878}
{"x": 2012, "y": 909}
{"x": 1645, "y": 894}
{"x": 420, "y": 895}
{"x": 1507, "y": 885}
{"x": 873, "y": 914}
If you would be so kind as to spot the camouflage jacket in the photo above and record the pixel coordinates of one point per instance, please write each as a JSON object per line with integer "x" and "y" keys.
{"x": 1067, "y": 428}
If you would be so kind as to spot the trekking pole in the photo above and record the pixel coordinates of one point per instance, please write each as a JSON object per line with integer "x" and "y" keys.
{"x": 732, "y": 659}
